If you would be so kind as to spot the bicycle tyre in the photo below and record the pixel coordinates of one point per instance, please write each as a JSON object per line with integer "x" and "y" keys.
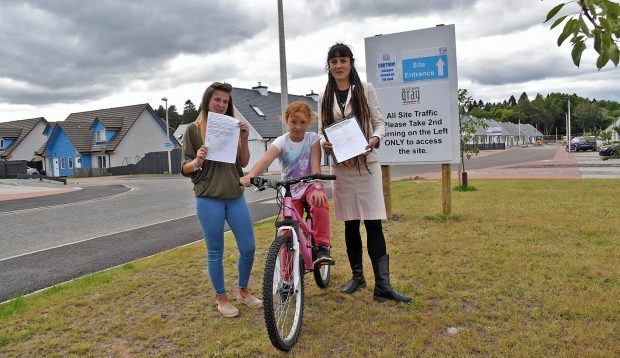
{"x": 283, "y": 304}
{"x": 322, "y": 274}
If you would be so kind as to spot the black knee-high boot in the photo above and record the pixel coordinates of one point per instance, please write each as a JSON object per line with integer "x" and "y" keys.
{"x": 383, "y": 289}
{"x": 353, "y": 240}
{"x": 357, "y": 280}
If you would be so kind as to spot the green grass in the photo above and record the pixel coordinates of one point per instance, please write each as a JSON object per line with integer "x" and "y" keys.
{"x": 464, "y": 188}
{"x": 520, "y": 268}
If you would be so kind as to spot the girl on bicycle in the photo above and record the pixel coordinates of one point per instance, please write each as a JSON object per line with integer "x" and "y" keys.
{"x": 299, "y": 153}
{"x": 358, "y": 190}
{"x": 219, "y": 198}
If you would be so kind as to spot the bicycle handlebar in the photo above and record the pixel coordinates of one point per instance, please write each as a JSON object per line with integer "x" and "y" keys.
{"x": 262, "y": 183}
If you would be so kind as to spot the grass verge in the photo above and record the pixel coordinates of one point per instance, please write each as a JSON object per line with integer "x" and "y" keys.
{"x": 523, "y": 268}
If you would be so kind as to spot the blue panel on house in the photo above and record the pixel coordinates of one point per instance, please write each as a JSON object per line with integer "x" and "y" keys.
{"x": 109, "y": 135}
{"x": 7, "y": 142}
{"x": 97, "y": 127}
{"x": 60, "y": 149}
{"x": 86, "y": 162}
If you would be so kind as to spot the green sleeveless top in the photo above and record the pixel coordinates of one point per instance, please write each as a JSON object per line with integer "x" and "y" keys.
{"x": 216, "y": 179}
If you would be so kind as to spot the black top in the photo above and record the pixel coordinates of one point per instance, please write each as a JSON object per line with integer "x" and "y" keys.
{"x": 341, "y": 96}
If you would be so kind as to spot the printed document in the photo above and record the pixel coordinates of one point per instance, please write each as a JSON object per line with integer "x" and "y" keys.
{"x": 222, "y": 137}
{"x": 347, "y": 139}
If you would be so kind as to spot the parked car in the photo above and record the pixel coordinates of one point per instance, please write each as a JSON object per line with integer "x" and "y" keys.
{"x": 609, "y": 150}
{"x": 582, "y": 143}
{"x": 32, "y": 172}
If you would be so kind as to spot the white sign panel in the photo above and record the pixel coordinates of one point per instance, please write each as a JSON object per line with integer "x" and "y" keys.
{"x": 415, "y": 78}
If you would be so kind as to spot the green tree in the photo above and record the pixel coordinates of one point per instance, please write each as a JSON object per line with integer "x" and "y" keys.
{"x": 593, "y": 20}
{"x": 174, "y": 118}
{"x": 586, "y": 116}
{"x": 603, "y": 134}
{"x": 190, "y": 113}
{"x": 512, "y": 101}
{"x": 465, "y": 101}
{"x": 161, "y": 112}
{"x": 467, "y": 127}
{"x": 541, "y": 116}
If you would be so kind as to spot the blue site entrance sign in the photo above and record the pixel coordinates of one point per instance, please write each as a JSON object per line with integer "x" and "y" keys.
{"x": 425, "y": 68}
{"x": 415, "y": 76}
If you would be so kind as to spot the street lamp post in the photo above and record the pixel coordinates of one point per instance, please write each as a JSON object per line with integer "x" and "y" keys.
{"x": 167, "y": 137}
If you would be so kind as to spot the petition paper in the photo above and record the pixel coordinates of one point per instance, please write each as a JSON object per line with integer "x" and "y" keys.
{"x": 222, "y": 137}
{"x": 347, "y": 139}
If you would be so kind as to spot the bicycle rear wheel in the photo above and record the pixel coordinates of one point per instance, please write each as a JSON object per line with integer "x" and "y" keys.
{"x": 283, "y": 293}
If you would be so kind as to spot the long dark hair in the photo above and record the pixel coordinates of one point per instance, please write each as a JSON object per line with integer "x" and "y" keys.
{"x": 360, "y": 104}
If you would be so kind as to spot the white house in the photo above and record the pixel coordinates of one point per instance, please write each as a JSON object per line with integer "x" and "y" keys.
{"x": 20, "y": 139}
{"x": 614, "y": 135}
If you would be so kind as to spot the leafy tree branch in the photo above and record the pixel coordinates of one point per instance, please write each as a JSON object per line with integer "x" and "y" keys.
{"x": 602, "y": 27}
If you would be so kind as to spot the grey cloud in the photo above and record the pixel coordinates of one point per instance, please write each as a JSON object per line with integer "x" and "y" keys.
{"x": 353, "y": 8}
{"x": 301, "y": 71}
{"x": 60, "y": 49}
{"x": 514, "y": 68}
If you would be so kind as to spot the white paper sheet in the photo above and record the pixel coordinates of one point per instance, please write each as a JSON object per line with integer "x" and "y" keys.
{"x": 222, "y": 137}
{"x": 347, "y": 139}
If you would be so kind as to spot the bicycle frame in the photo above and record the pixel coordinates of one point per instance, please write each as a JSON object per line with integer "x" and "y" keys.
{"x": 283, "y": 282}
{"x": 299, "y": 230}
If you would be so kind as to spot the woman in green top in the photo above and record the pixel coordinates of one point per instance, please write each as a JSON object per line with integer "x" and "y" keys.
{"x": 219, "y": 198}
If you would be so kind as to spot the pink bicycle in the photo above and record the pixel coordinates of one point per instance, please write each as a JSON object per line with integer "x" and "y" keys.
{"x": 291, "y": 255}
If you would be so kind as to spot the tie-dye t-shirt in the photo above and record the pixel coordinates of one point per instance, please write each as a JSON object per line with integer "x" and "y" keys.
{"x": 295, "y": 159}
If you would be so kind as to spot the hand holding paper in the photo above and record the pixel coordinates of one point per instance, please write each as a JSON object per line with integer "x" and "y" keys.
{"x": 222, "y": 138}
{"x": 347, "y": 139}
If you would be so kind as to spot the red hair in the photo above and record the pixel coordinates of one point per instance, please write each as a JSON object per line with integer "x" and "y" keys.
{"x": 298, "y": 107}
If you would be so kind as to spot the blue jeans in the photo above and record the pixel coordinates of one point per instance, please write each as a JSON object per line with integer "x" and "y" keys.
{"x": 211, "y": 213}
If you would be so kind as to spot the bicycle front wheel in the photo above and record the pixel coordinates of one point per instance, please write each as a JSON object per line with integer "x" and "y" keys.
{"x": 283, "y": 293}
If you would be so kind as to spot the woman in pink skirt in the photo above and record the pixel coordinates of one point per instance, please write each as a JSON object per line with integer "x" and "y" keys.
{"x": 358, "y": 191}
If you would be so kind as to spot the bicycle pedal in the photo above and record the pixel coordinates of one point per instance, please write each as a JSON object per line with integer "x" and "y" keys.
{"x": 325, "y": 261}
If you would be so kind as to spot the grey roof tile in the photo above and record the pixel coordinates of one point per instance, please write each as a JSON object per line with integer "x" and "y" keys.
{"x": 270, "y": 125}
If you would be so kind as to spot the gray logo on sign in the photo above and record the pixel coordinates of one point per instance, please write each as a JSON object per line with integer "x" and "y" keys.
{"x": 411, "y": 95}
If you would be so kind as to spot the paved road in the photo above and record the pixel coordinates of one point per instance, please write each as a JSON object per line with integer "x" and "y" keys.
{"x": 491, "y": 159}
{"x": 41, "y": 245}
{"x": 49, "y": 240}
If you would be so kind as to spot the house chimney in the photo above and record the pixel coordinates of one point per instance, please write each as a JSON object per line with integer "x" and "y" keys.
{"x": 261, "y": 89}
{"x": 313, "y": 95}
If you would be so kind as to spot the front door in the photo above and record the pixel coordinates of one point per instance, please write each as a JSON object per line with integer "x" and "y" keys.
{"x": 56, "y": 172}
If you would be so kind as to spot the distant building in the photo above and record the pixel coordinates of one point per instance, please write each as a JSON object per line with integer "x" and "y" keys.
{"x": 507, "y": 133}
{"x": 20, "y": 139}
{"x": 614, "y": 135}
{"x": 104, "y": 138}
{"x": 180, "y": 132}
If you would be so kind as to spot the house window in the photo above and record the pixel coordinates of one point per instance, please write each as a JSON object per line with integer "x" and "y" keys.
{"x": 70, "y": 162}
{"x": 258, "y": 111}
{"x": 101, "y": 161}
{"x": 62, "y": 162}
{"x": 100, "y": 136}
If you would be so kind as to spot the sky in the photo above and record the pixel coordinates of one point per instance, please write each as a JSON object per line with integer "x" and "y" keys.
{"x": 63, "y": 56}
